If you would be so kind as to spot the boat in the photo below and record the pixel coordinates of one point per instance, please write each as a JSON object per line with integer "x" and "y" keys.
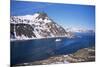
{"x": 58, "y": 40}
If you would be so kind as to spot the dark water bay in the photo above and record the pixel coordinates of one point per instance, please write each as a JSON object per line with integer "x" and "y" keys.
{"x": 23, "y": 51}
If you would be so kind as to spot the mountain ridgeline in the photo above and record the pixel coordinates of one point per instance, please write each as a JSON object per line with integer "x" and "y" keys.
{"x": 38, "y": 25}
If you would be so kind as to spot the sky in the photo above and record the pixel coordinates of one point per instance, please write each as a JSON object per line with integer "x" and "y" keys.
{"x": 66, "y": 15}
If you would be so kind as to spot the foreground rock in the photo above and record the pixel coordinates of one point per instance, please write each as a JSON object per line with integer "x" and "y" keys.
{"x": 82, "y": 55}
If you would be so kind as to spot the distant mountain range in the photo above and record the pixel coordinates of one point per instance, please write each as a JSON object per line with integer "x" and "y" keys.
{"x": 80, "y": 30}
{"x": 38, "y": 25}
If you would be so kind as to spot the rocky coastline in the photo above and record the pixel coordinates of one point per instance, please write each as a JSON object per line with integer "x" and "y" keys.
{"x": 82, "y": 55}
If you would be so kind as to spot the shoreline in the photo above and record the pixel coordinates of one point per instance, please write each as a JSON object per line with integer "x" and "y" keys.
{"x": 40, "y": 38}
{"x": 81, "y": 55}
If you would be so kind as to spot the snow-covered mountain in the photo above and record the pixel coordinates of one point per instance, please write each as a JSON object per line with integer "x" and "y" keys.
{"x": 38, "y": 25}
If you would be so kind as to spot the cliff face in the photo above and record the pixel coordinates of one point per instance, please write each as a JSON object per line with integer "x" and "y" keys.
{"x": 38, "y": 25}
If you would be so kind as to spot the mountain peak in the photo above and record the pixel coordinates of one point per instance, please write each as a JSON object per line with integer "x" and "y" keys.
{"x": 42, "y": 15}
